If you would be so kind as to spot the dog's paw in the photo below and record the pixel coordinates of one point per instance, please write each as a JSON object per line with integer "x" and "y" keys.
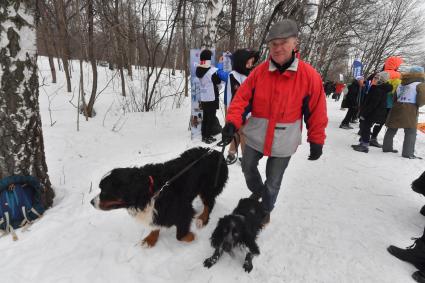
{"x": 199, "y": 223}
{"x": 209, "y": 262}
{"x": 247, "y": 266}
{"x": 145, "y": 244}
{"x": 188, "y": 238}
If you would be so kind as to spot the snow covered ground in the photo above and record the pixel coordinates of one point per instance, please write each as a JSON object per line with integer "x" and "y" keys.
{"x": 333, "y": 220}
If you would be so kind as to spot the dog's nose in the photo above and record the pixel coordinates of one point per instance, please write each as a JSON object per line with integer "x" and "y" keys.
{"x": 227, "y": 247}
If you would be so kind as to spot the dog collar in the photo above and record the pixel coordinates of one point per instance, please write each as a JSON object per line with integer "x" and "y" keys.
{"x": 151, "y": 184}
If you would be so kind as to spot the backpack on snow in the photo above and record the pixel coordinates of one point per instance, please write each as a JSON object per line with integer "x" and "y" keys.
{"x": 20, "y": 202}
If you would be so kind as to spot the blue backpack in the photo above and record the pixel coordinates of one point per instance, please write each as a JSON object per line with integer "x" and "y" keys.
{"x": 20, "y": 202}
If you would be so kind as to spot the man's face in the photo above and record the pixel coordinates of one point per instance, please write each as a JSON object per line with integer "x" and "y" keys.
{"x": 281, "y": 49}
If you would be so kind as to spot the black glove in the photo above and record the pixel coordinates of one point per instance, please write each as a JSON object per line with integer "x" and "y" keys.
{"x": 227, "y": 133}
{"x": 315, "y": 151}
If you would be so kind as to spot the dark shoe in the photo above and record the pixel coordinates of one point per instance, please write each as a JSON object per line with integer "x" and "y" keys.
{"x": 422, "y": 211}
{"x": 345, "y": 127}
{"x": 415, "y": 254}
{"x": 231, "y": 158}
{"x": 360, "y": 148}
{"x": 212, "y": 139}
{"x": 375, "y": 143}
{"x": 418, "y": 276}
{"x": 266, "y": 219}
{"x": 412, "y": 157}
{"x": 391, "y": 150}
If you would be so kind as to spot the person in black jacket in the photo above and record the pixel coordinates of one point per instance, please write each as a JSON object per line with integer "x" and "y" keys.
{"x": 373, "y": 109}
{"x": 350, "y": 102}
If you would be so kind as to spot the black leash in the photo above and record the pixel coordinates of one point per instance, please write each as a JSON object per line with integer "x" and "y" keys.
{"x": 182, "y": 172}
{"x": 220, "y": 160}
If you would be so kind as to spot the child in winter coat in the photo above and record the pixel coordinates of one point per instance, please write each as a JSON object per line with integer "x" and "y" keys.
{"x": 243, "y": 61}
{"x": 373, "y": 109}
{"x": 209, "y": 83}
{"x": 404, "y": 114}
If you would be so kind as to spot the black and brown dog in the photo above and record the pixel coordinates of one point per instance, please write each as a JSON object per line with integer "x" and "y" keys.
{"x": 238, "y": 229}
{"x": 137, "y": 190}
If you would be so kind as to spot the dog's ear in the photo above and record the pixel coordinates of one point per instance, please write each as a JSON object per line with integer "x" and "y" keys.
{"x": 217, "y": 235}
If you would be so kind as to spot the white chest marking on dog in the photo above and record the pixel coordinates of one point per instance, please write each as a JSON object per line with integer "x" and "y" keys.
{"x": 146, "y": 215}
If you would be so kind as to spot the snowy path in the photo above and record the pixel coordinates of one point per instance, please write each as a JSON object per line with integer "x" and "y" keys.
{"x": 333, "y": 220}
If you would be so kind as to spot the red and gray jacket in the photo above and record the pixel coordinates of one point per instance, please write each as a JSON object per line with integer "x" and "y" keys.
{"x": 279, "y": 101}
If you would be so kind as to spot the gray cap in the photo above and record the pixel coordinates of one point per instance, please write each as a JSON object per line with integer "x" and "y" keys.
{"x": 382, "y": 77}
{"x": 283, "y": 29}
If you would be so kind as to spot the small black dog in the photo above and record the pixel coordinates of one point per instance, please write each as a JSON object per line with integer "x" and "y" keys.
{"x": 418, "y": 185}
{"x": 238, "y": 229}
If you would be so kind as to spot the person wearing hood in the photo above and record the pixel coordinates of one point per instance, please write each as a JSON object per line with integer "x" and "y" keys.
{"x": 283, "y": 91}
{"x": 391, "y": 66}
{"x": 243, "y": 61}
{"x": 410, "y": 96}
{"x": 373, "y": 109}
{"x": 209, "y": 84}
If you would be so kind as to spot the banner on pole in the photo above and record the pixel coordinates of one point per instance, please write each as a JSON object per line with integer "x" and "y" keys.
{"x": 357, "y": 68}
{"x": 196, "y": 112}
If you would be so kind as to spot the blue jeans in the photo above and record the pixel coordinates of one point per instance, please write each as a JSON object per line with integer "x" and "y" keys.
{"x": 275, "y": 168}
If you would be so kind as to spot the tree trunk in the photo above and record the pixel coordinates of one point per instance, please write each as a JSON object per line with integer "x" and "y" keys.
{"x": 91, "y": 58}
{"x": 214, "y": 8}
{"x": 232, "y": 35}
{"x": 21, "y": 143}
{"x": 63, "y": 36}
{"x": 185, "y": 60}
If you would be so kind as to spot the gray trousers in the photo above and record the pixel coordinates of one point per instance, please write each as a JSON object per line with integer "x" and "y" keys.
{"x": 408, "y": 142}
{"x": 275, "y": 168}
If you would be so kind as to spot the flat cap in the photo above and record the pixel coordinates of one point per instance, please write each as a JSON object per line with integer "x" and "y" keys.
{"x": 283, "y": 29}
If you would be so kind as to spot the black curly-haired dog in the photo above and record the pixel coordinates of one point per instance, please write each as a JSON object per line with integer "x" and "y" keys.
{"x": 136, "y": 189}
{"x": 418, "y": 185}
{"x": 238, "y": 229}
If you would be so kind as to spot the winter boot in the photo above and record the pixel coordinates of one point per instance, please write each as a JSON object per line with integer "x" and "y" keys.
{"x": 360, "y": 148}
{"x": 419, "y": 276}
{"x": 390, "y": 150}
{"x": 414, "y": 254}
{"x": 345, "y": 127}
{"x": 375, "y": 143}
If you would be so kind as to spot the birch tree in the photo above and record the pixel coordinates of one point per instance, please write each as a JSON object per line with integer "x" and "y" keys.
{"x": 21, "y": 143}
{"x": 214, "y": 8}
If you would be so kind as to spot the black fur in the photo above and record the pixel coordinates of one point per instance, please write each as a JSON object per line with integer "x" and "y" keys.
{"x": 238, "y": 229}
{"x": 418, "y": 185}
{"x": 130, "y": 188}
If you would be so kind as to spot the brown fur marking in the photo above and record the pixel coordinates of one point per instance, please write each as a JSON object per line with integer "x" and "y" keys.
{"x": 188, "y": 238}
{"x": 151, "y": 239}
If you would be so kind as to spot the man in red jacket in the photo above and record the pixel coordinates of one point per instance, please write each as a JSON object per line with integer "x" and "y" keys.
{"x": 280, "y": 91}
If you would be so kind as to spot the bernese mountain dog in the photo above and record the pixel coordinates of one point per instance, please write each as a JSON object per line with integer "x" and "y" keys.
{"x": 238, "y": 229}
{"x": 146, "y": 196}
